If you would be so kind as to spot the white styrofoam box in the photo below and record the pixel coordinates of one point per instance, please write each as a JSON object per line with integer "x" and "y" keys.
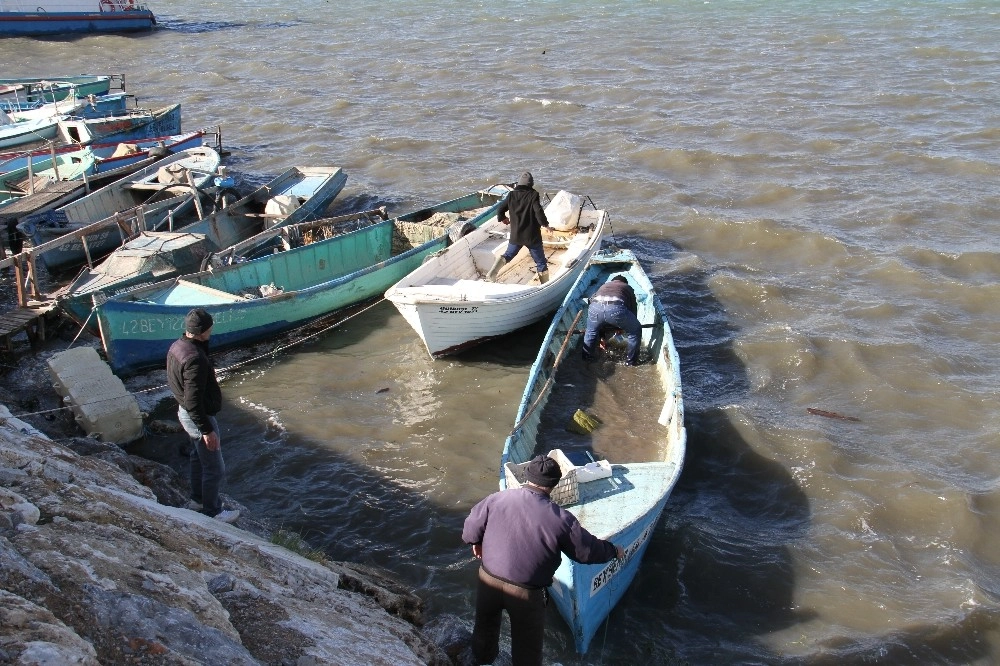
{"x": 101, "y": 404}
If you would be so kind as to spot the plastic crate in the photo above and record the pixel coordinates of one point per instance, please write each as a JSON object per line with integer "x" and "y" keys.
{"x": 566, "y": 492}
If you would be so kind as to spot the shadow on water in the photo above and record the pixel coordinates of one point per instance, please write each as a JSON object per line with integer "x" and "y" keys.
{"x": 199, "y": 27}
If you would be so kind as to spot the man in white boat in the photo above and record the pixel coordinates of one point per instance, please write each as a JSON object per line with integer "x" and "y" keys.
{"x": 520, "y": 534}
{"x": 527, "y": 217}
{"x": 613, "y": 306}
{"x": 191, "y": 376}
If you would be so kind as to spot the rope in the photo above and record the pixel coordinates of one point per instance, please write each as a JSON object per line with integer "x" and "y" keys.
{"x": 276, "y": 350}
{"x": 552, "y": 376}
{"x": 227, "y": 369}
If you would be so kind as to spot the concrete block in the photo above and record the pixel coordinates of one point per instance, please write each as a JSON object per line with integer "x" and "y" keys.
{"x": 102, "y": 405}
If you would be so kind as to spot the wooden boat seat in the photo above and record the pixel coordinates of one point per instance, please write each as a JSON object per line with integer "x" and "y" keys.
{"x": 192, "y": 293}
{"x": 158, "y": 187}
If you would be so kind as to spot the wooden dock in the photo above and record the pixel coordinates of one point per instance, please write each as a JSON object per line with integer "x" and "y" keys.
{"x": 29, "y": 319}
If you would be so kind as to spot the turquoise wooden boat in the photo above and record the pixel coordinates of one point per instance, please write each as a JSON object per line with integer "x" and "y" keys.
{"x": 66, "y": 166}
{"x": 625, "y": 497}
{"x": 277, "y": 292}
{"x": 27, "y": 89}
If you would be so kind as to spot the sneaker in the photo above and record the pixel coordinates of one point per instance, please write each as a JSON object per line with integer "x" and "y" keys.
{"x": 192, "y": 505}
{"x": 227, "y": 516}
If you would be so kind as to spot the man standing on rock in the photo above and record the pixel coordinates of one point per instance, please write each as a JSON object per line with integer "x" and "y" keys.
{"x": 520, "y": 534}
{"x": 191, "y": 376}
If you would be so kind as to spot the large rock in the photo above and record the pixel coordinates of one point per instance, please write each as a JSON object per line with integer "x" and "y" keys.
{"x": 94, "y": 569}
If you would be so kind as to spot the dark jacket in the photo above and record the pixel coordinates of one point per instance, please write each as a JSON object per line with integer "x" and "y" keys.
{"x": 526, "y": 215}
{"x": 619, "y": 290}
{"x": 191, "y": 376}
{"x": 523, "y": 533}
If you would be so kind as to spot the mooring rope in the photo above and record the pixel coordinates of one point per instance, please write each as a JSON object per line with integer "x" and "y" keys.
{"x": 227, "y": 369}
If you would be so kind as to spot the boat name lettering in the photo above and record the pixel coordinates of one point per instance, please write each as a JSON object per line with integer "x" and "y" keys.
{"x": 454, "y": 309}
{"x": 144, "y": 325}
{"x": 614, "y": 566}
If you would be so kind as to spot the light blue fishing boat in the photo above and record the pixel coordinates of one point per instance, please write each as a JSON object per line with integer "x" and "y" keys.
{"x": 107, "y": 151}
{"x": 292, "y": 198}
{"x": 620, "y": 499}
{"x": 277, "y": 292}
{"x": 162, "y": 190}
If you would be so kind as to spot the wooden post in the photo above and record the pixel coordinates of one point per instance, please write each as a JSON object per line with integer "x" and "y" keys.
{"x": 33, "y": 276}
{"x": 55, "y": 167}
{"x": 195, "y": 194}
{"x": 22, "y": 298}
{"x": 86, "y": 251}
{"x": 31, "y": 174}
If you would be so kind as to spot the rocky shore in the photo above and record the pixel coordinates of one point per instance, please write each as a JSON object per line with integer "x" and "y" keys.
{"x": 98, "y": 565}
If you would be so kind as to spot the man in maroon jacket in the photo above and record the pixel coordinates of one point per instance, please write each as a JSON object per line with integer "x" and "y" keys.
{"x": 520, "y": 535}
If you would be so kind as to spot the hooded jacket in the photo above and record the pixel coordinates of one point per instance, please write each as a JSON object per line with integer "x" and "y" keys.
{"x": 526, "y": 215}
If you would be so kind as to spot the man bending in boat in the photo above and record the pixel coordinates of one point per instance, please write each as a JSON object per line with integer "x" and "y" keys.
{"x": 520, "y": 534}
{"x": 613, "y": 306}
{"x": 526, "y": 221}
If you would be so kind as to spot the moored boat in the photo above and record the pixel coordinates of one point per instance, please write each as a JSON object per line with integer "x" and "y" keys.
{"x": 128, "y": 125}
{"x": 619, "y": 498}
{"x": 21, "y": 18}
{"x": 452, "y": 307}
{"x": 105, "y": 150}
{"x": 281, "y": 291}
{"x": 26, "y": 132}
{"x": 51, "y": 89}
{"x": 295, "y": 196}
{"x": 66, "y": 166}
{"x": 161, "y": 191}
{"x": 91, "y": 106}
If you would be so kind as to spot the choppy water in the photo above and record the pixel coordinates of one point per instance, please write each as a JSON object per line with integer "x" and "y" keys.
{"x": 812, "y": 186}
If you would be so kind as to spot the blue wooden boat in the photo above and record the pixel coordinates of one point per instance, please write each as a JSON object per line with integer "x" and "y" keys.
{"x": 154, "y": 256}
{"x": 22, "y": 18}
{"x": 281, "y": 291}
{"x": 623, "y": 504}
{"x": 124, "y": 126}
{"x": 149, "y": 196}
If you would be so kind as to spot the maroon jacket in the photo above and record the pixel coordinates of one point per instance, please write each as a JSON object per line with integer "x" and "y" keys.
{"x": 523, "y": 534}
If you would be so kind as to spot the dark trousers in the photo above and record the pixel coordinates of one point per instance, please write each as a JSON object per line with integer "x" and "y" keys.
{"x": 208, "y": 469}
{"x": 602, "y": 315}
{"x": 14, "y": 240}
{"x": 537, "y": 253}
{"x": 526, "y": 610}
